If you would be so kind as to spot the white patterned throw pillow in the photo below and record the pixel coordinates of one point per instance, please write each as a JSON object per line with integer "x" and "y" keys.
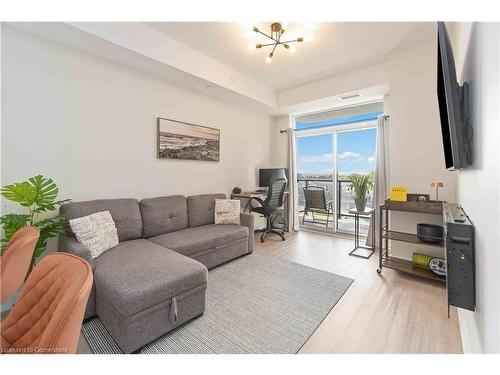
{"x": 227, "y": 211}
{"x": 97, "y": 232}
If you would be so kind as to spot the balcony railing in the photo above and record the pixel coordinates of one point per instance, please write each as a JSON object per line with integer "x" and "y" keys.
{"x": 343, "y": 203}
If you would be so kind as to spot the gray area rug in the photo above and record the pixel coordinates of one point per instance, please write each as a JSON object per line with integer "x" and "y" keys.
{"x": 255, "y": 304}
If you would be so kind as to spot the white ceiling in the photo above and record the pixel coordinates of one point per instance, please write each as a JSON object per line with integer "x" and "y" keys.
{"x": 337, "y": 47}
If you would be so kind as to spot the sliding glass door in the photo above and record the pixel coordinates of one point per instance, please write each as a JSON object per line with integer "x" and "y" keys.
{"x": 355, "y": 155}
{"x": 315, "y": 180}
{"x": 326, "y": 159}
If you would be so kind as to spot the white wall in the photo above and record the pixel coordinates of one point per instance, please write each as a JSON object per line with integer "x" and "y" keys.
{"x": 416, "y": 151}
{"x": 335, "y": 85}
{"x": 91, "y": 126}
{"x": 141, "y": 38}
{"x": 477, "y": 54}
{"x": 279, "y": 141}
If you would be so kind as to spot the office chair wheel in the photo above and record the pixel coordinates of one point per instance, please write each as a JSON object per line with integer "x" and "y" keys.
{"x": 379, "y": 271}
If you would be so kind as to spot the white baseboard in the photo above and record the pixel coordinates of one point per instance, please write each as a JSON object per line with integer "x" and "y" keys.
{"x": 471, "y": 341}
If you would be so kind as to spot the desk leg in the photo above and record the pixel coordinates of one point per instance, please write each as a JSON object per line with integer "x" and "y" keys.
{"x": 247, "y": 206}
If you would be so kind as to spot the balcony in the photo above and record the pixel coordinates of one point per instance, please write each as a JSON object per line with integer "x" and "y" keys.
{"x": 342, "y": 203}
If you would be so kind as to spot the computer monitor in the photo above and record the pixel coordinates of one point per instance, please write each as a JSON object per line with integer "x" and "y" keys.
{"x": 266, "y": 174}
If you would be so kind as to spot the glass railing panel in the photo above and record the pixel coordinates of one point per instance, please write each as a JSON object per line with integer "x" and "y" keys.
{"x": 342, "y": 204}
{"x": 345, "y": 221}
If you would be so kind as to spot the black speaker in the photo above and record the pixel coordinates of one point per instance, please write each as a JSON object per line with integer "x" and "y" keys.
{"x": 460, "y": 258}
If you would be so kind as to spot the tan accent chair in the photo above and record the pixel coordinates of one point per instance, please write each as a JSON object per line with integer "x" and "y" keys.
{"x": 48, "y": 314}
{"x": 16, "y": 259}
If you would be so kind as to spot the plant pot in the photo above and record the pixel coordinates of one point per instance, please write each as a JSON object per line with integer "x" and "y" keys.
{"x": 360, "y": 204}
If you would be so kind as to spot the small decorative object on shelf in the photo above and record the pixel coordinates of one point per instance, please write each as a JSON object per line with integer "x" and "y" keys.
{"x": 418, "y": 197}
{"x": 236, "y": 190}
{"x": 421, "y": 260}
{"x": 399, "y": 193}
{"x": 438, "y": 266}
{"x": 437, "y": 185}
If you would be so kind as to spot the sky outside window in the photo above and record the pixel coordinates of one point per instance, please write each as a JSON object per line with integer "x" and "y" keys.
{"x": 315, "y": 155}
{"x": 356, "y": 151}
{"x": 355, "y": 154}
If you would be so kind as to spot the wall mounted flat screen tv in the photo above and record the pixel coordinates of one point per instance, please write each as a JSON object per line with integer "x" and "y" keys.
{"x": 453, "y": 106}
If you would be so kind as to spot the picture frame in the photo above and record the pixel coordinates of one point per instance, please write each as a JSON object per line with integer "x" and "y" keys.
{"x": 186, "y": 141}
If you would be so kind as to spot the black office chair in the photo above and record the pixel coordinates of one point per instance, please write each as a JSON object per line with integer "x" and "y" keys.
{"x": 271, "y": 206}
{"x": 315, "y": 202}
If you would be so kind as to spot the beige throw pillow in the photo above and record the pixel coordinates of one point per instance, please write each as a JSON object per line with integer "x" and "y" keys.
{"x": 97, "y": 232}
{"x": 227, "y": 211}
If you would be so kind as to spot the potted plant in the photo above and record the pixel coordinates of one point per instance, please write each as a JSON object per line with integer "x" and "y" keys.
{"x": 38, "y": 195}
{"x": 361, "y": 184}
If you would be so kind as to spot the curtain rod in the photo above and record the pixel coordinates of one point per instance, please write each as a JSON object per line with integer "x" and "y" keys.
{"x": 286, "y": 130}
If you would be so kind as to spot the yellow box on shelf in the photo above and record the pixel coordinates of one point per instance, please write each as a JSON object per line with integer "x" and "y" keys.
{"x": 399, "y": 193}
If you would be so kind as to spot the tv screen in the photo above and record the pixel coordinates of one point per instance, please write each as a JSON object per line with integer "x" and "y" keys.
{"x": 265, "y": 175}
{"x": 450, "y": 96}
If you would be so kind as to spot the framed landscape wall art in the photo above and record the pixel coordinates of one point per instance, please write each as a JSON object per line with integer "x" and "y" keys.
{"x": 181, "y": 140}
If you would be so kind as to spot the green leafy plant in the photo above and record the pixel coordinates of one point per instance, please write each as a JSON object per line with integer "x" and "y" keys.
{"x": 361, "y": 184}
{"x": 38, "y": 195}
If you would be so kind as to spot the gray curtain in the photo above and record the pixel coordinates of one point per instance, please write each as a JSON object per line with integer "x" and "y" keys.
{"x": 382, "y": 180}
{"x": 293, "y": 199}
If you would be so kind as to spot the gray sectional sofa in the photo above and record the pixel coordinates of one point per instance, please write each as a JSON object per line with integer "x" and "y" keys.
{"x": 155, "y": 279}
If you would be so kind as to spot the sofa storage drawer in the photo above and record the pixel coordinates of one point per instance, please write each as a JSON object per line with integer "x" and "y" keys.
{"x": 133, "y": 332}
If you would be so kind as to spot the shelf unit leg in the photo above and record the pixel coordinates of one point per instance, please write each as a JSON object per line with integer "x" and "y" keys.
{"x": 373, "y": 230}
{"x": 386, "y": 239}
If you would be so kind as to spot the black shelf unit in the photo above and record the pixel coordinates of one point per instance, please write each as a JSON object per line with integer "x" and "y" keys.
{"x": 386, "y": 234}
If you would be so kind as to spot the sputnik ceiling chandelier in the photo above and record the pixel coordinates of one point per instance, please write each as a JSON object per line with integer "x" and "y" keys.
{"x": 276, "y": 36}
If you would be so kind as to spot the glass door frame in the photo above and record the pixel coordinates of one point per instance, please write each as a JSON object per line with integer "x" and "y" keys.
{"x": 333, "y": 131}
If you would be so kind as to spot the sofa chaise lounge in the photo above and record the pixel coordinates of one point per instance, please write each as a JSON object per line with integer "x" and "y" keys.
{"x": 155, "y": 279}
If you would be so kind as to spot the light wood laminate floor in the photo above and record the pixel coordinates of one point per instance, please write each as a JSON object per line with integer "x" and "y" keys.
{"x": 388, "y": 313}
